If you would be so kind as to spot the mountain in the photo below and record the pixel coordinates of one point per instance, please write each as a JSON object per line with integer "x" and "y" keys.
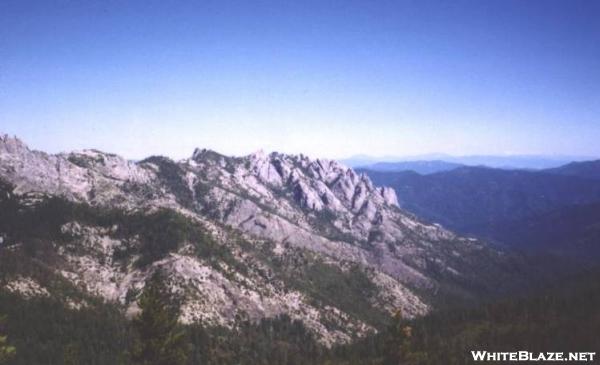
{"x": 585, "y": 169}
{"x": 525, "y": 162}
{"x": 531, "y": 162}
{"x": 420, "y": 167}
{"x": 357, "y": 161}
{"x": 478, "y": 200}
{"x": 567, "y": 231}
{"x": 239, "y": 239}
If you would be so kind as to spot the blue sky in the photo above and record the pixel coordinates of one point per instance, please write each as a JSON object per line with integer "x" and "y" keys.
{"x": 326, "y": 78}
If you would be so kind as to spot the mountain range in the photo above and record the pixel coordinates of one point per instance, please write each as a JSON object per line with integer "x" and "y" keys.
{"x": 515, "y": 207}
{"x": 239, "y": 238}
{"x": 441, "y": 162}
{"x": 424, "y": 167}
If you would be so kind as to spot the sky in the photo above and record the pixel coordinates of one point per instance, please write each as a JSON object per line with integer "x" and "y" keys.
{"x": 323, "y": 78}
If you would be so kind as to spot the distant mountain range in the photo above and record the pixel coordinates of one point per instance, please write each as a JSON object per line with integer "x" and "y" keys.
{"x": 441, "y": 162}
{"x": 421, "y": 167}
{"x": 514, "y": 207}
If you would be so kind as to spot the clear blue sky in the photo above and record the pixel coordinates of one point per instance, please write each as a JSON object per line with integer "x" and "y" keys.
{"x": 327, "y": 78}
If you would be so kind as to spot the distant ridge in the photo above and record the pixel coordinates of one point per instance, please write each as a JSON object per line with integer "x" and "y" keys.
{"x": 421, "y": 167}
{"x": 543, "y": 209}
{"x": 585, "y": 169}
{"x": 533, "y": 162}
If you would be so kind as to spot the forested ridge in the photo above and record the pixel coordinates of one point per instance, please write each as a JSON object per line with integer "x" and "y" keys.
{"x": 44, "y": 331}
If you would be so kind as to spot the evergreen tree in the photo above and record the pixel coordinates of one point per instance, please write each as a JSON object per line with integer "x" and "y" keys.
{"x": 399, "y": 348}
{"x": 6, "y": 351}
{"x": 160, "y": 339}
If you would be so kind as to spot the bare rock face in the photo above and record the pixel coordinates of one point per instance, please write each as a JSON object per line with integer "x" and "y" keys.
{"x": 85, "y": 176}
{"x": 296, "y": 220}
{"x": 37, "y": 171}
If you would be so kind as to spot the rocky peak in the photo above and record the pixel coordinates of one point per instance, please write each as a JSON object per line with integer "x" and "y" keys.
{"x": 259, "y": 155}
{"x": 198, "y": 152}
{"x": 389, "y": 195}
{"x": 12, "y": 144}
{"x": 316, "y": 183}
{"x": 206, "y": 155}
{"x": 107, "y": 164}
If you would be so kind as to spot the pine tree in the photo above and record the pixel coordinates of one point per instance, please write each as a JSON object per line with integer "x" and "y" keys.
{"x": 399, "y": 348}
{"x": 160, "y": 339}
{"x": 6, "y": 351}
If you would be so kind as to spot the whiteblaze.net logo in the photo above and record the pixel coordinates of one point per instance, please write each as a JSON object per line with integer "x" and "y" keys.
{"x": 533, "y": 356}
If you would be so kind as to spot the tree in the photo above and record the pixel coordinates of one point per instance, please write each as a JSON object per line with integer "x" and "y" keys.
{"x": 6, "y": 351}
{"x": 160, "y": 339}
{"x": 399, "y": 348}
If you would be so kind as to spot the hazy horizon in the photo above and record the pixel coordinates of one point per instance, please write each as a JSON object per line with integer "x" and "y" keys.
{"x": 326, "y": 79}
{"x": 362, "y": 160}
